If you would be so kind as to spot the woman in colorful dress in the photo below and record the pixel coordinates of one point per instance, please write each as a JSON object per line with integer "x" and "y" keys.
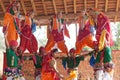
{"x": 27, "y": 39}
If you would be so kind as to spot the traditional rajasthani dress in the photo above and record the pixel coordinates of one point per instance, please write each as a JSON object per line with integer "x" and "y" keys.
{"x": 72, "y": 65}
{"x": 27, "y": 39}
{"x": 47, "y": 71}
{"x": 85, "y": 36}
{"x": 11, "y": 26}
{"x": 38, "y": 66}
{"x": 104, "y": 41}
{"x": 56, "y": 35}
{"x": 12, "y": 64}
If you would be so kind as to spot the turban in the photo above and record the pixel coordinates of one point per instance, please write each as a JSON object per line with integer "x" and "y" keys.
{"x": 41, "y": 49}
{"x": 13, "y": 43}
{"x": 72, "y": 50}
{"x": 54, "y": 50}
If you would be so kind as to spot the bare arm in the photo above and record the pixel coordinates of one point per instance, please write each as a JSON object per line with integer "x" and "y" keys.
{"x": 88, "y": 54}
{"x": 18, "y": 5}
{"x": 42, "y": 21}
{"x": 22, "y": 17}
{"x": 6, "y": 42}
{"x": 53, "y": 65}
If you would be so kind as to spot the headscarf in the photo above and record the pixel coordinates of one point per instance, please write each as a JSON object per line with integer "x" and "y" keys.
{"x": 72, "y": 50}
{"x": 13, "y": 43}
{"x": 41, "y": 49}
{"x": 10, "y": 6}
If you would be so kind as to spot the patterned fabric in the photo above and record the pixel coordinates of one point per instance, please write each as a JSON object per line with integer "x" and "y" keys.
{"x": 107, "y": 57}
{"x": 14, "y": 72}
{"x": 11, "y": 29}
{"x": 12, "y": 58}
{"x": 57, "y": 35}
{"x": 47, "y": 71}
{"x": 37, "y": 72}
{"x": 72, "y": 75}
{"x": 104, "y": 23}
{"x": 84, "y": 32}
{"x": 85, "y": 37}
{"x": 27, "y": 39}
{"x": 73, "y": 62}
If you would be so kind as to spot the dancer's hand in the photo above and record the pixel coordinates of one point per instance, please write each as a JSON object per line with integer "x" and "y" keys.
{"x": 61, "y": 77}
{"x": 5, "y": 34}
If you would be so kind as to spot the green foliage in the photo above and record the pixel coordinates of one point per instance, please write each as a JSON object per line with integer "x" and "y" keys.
{"x": 117, "y": 42}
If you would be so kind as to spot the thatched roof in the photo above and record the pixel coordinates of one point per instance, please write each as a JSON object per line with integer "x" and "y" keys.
{"x": 70, "y": 8}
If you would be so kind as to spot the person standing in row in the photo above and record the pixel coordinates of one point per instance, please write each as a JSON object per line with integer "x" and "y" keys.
{"x": 57, "y": 31}
{"x": 49, "y": 66}
{"x": 27, "y": 39}
{"x": 37, "y": 59}
{"x": 102, "y": 45}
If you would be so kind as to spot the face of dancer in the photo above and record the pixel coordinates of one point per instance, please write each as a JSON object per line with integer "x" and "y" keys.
{"x": 54, "y": 53}
{"x": 15, "y": 10}
{"x": 14, "y": 48}
{"x": 93, "y": 14}
{"x": 60, "y": 15}
{"x": 72, "y": 54}
{"x": 32, "y": 15}
{"x": 41, "y": 52}
{"x": 83, "y": 13}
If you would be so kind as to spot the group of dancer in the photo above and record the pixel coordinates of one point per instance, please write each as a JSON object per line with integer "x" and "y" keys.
{"x": 89, "y": 21}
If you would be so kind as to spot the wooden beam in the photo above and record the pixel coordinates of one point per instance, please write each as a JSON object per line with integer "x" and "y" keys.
{"x": 96, "y": 3}
{"x": 72, "y": 16}
{"x": 85, "y": 4}
{"x": 33, "y": 6}
{"x": 10, "y": 1}
{"x": 23, "y": 6}
{"x": 65, "y": 5}
{"x": 44, "y": 7}
{"x": 74, "y": 6}
{"x": 54, "y": 5}
{"x": 1, "y": 23}
{"x": 115, "y": 19}
{"x": 106, "y": 5}
{"x": 2, "y": 5}
{"x": 117, "y": 8}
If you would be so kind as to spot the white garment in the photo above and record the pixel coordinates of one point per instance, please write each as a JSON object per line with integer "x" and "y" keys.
{"x": 9, "y": 78}
{"x": 38, "y": 77}
{"x": 21, "y": 78}
{"x": 107, "y": 76}
{"x": 99, "y": 75}
{"x": 76, "y": 78}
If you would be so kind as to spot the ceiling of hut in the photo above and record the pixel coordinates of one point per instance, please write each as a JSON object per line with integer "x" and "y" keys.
{"x": 70, "y": 8}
